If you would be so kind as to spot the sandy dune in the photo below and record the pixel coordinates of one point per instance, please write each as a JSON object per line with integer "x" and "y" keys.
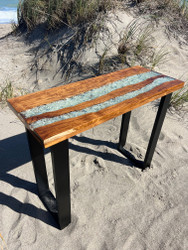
{"x": 114, "y": 205}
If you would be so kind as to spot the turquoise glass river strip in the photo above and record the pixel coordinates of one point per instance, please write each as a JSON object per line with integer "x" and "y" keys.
{"x": 89, "y": 95}
{"x": 103, "y": 105}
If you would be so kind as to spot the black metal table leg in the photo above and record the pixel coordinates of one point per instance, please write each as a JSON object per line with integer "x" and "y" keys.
{"x": 124, "y": 129}
{"x": 60, "y": 162}
{"x": 165, "y": 100}
{"x": 154, "y": 135}
{"x": 39, "y": 165}
{"x": 59, "y": 207}
{"x": 123, "y": 138}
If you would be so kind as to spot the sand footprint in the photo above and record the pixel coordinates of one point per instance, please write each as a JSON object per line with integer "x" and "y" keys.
{"x": 161, "y": 136}
{"x": 20, "y": 227}
{"x": 135, "y": 123}
{"x": 137, "y": 152}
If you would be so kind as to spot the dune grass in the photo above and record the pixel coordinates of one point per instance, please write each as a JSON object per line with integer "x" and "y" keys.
{"x": 56, "y": 13}
{"x": 158, "y": 57}
{"x": 179, "y": 98}
{"x": 135, "y": 46}
{"x": 170, "y": 9}
{"x": 6, "y": 91}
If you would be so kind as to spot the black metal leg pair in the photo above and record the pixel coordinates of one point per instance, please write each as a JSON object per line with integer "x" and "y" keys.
{"x": 60, "y": 207}
{"x": 154, "y": 135}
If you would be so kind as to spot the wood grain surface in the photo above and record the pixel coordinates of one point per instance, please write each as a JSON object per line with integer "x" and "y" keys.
{"x": 58, "y": 131}
{"x": 32, "y": 100}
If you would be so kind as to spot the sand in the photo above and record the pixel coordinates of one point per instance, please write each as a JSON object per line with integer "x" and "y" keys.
{"x": 114, "y": 204}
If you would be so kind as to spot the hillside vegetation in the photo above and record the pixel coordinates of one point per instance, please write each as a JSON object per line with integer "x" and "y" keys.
{"x": 55, "y": 13}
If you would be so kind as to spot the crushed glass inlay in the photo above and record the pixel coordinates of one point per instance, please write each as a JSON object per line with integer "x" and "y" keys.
{"x": 89, "y": 95}
{"x": 103, "y": 105}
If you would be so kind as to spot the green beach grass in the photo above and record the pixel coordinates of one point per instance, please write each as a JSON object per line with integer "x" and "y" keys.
{"x": 56, "y": 13}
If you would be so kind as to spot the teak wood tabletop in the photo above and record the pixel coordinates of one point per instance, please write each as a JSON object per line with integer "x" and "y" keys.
{"x": 56, "y": 114}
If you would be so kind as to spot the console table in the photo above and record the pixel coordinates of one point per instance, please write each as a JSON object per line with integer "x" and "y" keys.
{"x": 54, "y": 115}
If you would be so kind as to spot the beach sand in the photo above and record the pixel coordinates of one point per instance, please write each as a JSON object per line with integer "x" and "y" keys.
{"x": 114, "y": 205}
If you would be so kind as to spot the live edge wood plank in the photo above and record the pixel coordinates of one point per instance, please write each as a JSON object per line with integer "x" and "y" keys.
{"x": 62, "y": 130}
{"x": 36, "y": 99}
{"x": 113, "y": 94}
{"x": 56, "y": 132}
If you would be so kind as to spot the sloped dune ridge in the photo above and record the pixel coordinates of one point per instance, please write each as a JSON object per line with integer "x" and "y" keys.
{"x": 114, "y": 205}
